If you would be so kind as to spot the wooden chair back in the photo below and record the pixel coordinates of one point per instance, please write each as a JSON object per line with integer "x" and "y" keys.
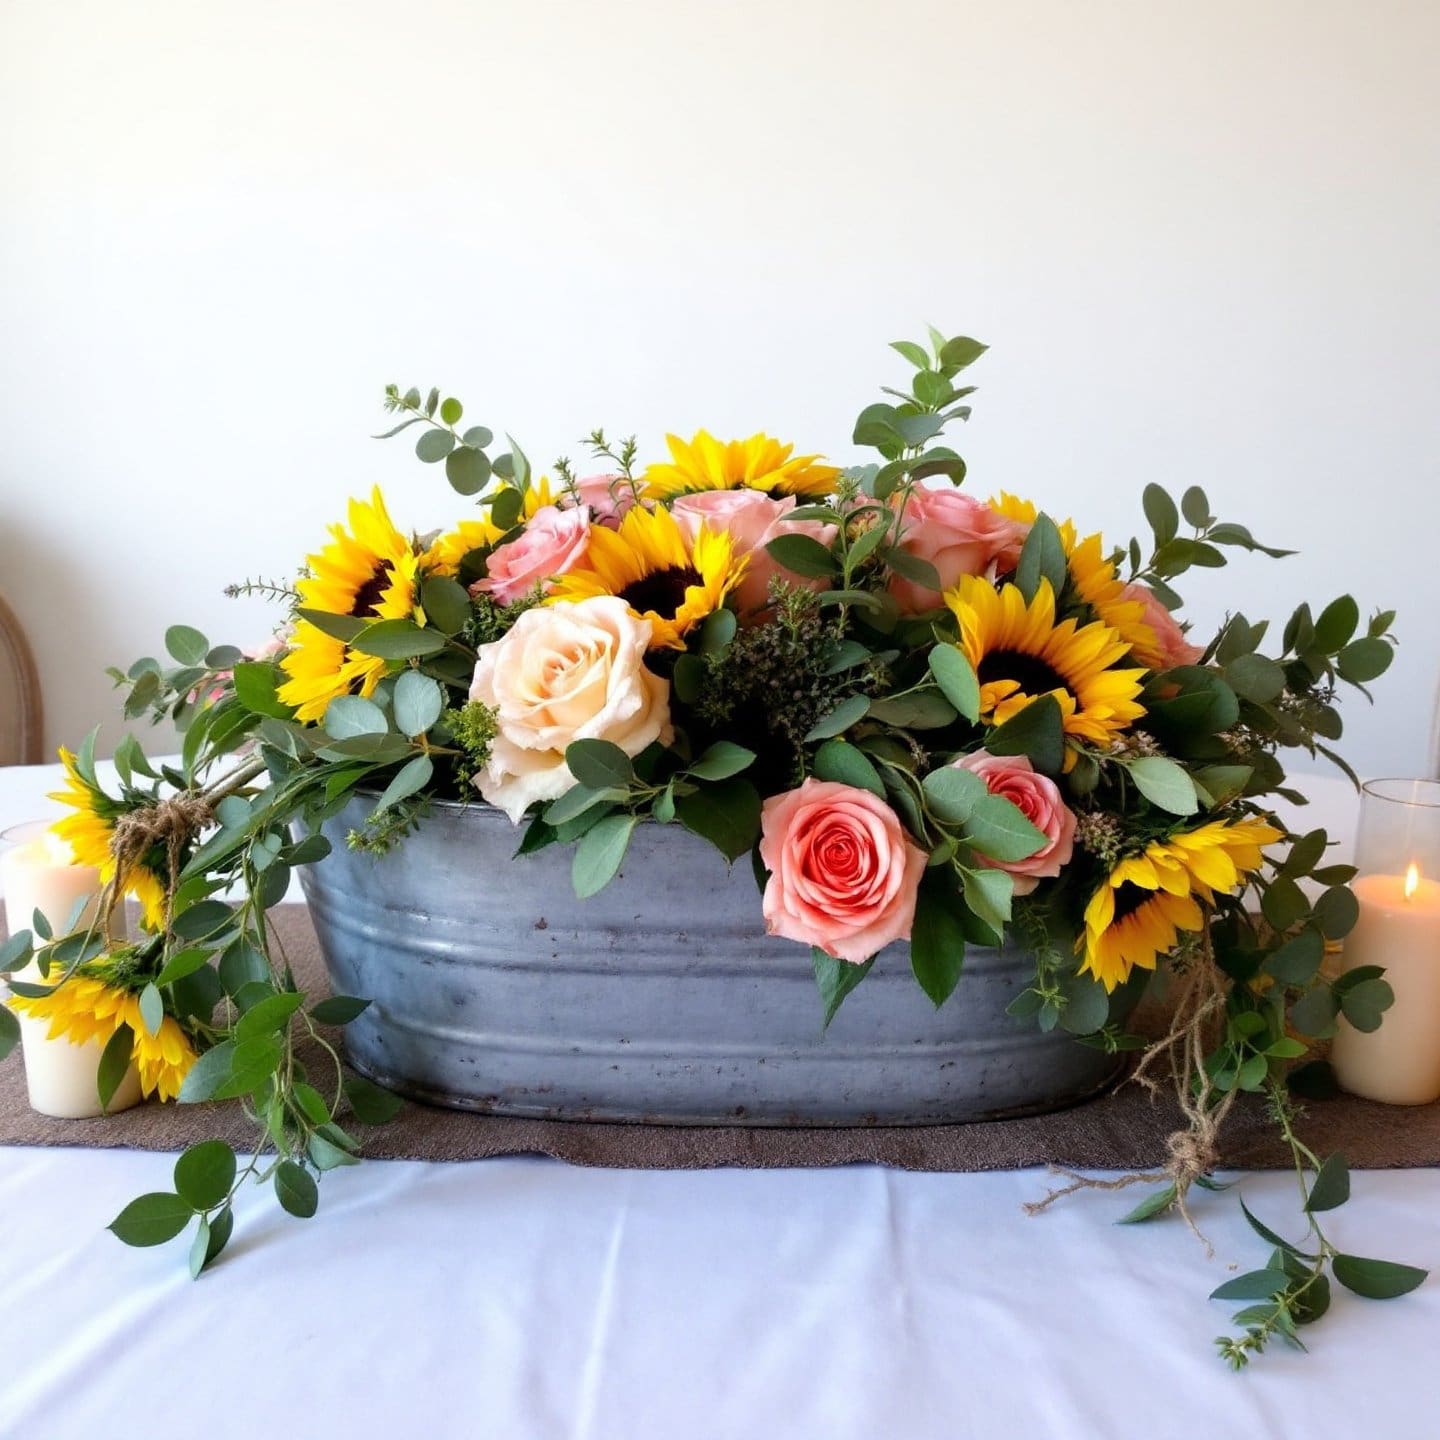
{"x": 21, "y": 712}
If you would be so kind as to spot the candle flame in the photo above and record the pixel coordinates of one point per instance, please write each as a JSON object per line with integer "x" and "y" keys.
{"x": 1412, "y": 880}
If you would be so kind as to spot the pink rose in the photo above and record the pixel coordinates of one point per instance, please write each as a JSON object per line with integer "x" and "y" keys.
{"x": 957, "y": 534}
{"x": 1038, "y": 799}
{"x": 1171, "y": 648}
{"x": 843, "y": 873}
{"x": 752, "y": 519}
{"x": 607, "y": 496}
{"x": 552, "y": 542}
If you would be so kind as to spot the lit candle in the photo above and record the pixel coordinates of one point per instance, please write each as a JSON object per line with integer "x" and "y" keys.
{"x": 61, "y": 1078}
{"x": 1399, "y": 929}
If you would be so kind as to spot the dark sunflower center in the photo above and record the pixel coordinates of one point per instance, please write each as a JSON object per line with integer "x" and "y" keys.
{"x": 1032, "y": 674}
{"x": 1129, "y": 898}
{"x": 662, "y": 591}
{"x": 368, "y": 596}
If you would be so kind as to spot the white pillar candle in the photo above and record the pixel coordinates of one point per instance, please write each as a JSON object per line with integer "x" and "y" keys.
{"x": 39, "y": 874}
{"x": 1398, "y": 928}
{"x": 61, "y": 1078}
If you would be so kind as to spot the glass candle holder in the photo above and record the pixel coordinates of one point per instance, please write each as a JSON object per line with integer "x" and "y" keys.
{"x": 1397, "y": 856}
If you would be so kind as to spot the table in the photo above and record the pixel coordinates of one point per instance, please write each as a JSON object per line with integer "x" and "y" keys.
{"x": 525, "y": 1299}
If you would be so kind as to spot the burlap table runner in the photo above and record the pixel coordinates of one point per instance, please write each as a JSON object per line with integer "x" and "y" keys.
{"x": 1124, "y": 1130}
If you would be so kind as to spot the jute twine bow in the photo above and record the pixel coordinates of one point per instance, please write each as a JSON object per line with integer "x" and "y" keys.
{"x": 1195, "y": 1149}
{"x": 172, "y": 822}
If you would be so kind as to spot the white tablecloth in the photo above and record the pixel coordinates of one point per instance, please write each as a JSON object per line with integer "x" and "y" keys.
{"x": 522, "y": 1298}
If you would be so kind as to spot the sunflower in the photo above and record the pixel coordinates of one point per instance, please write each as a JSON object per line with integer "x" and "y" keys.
{"x": 759, "y": 463}
{"x": 369, "y": 572}
{"x": 1149, "y": 898}
{"x": 85, "y": 1008}
{"x": 1096, "y": 583}
{"x": 88, "y": 833}
{"x": 647, "y": 562}
{"x": 1020, "y": 653}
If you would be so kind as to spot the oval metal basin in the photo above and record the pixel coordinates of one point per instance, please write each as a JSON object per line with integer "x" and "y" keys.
{"x": 661, "y": 1000}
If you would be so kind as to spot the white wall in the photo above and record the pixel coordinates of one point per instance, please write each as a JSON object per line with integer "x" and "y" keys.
{"x": 1201, "y": 240}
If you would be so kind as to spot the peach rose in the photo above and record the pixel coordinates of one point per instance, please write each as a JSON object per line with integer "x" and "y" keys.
{"x": 1038, "y": 799}
{"x": 552, "y": 542}
{"x": 752, "y": 519}
{"x": 1171, "y": 646}
{"x": 843, "y": 872}
{"x": 570, "y": 671}
{"x": 607, "y": 496}
{"x": 957, "y": 534}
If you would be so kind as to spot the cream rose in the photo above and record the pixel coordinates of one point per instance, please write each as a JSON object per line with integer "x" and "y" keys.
{"x": 570, "y": 671}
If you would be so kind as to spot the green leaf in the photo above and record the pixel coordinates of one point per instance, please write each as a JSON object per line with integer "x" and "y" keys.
{"x": 988, "y": 893}
{"x": 1332, "y": 1185}
{"x": 252, "y": 1063}
{"x": 1164, "y": 784}
{"x": 152, "y": 1009}
{"x": 350, "y": 715}
{"x": 802, "y": 555}
{"x": 114, "y": 1062}
{"x": 960, "y": 352}
{"x": 446, "y": 603}
{"x": 835, "y": 979}
{"x": 434, "y": 445}
{"x": 9, "y": 1031}
{"x": 956, "y": 678}
{"x": 1151, "y": 1206}
{"x": 599, "y": 765}
{"x": 912, "y": 567}
{"x": 1336, "y": 624}
{"x": 1037, "y": 732}
{"x": 1160, "y": 511}
{"x": 1314, "y": 1012}
{"x": 325, "y": 1154}
{"x": 199, "y": 1248}
{"x": 717, "y": 630}
{"x": 953, "y": 793}
{"x": 1365, "y": 659}
{"x": 577, "y": 800}
{"x": 255, "y": 685}
{"x": 397, "y": 640}
{"x": 205, "y": 1173}
{"x": 1284, "y": 904}
{"x": 188, "y": 646}
{"x": 599, "y": 854}
{"x": 478, "y": 436}
{"x": 338, "y": 1010}
{"x": 451, "y": 410}
{"x": 1337, "y": 910}
{"x": 919, "y": 710}
{"x": 268, "y": 1016}
{"x": 1376, "y": 1279}
{"x": 1195, "y": 507}
{"x": 937, "y": 938}
{"x": 16, "y": 952}
{"x": 152, "y": 1219}
{"x": 296, "y": 1190}
{"x": 1254, "y": 677}
{"x": 410, "y": 779}
{"x": 217, "y": 1236}
{"x": 417, "y": 703}
{"x": 1000, "y": 830}
{"x": 1364, "y": 1005}
{"x": 721, "y": 760}
{"x": 1267, "y": 1234}
{"x": 726, "y": 814}
{"x": 208, "y": 1073}
{"x": 1041, "y": 558}
{"x": 371, "y": 1104}
{"x": 1297, "y": 961}
{"x": 846, "y": 764}
{"x": 467, "y": 469}
{"x": 1257, "y": 1285}
{"x": 914, "y": 353}
{"x": 841, "y": 718}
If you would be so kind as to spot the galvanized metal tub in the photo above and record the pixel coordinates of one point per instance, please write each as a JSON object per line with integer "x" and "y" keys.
{"x": 660, "y": 1000}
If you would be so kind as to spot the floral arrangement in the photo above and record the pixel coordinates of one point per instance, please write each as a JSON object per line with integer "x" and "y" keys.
{"x": 931, "y": 719}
